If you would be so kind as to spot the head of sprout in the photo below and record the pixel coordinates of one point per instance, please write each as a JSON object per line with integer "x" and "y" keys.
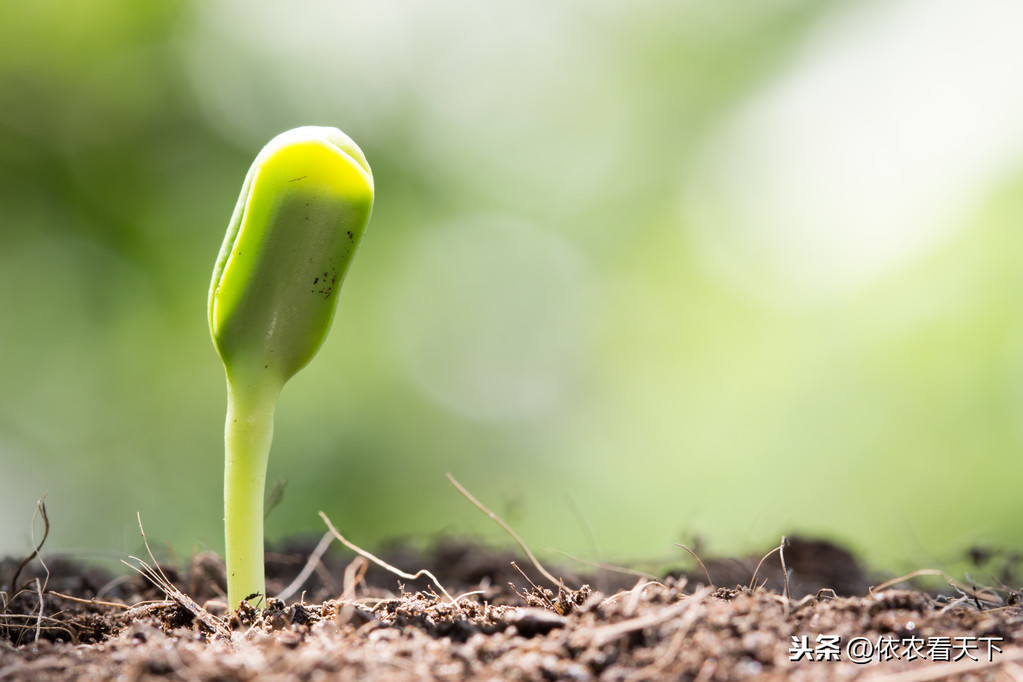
{"x": 302, "y": 211}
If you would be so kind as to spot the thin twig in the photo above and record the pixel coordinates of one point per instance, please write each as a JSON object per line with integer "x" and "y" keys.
{"x": 753, "y": 579}
{"x": 159, "y": 571}
{"x": 159, "y": 578}
{"x": 354, "y": 574}
{"x": 310, "y": 565}
{"x": 39, "y": 620}
{"x": 93, "y": 602}
{"x": 632, "y": 603}
{"x": 640, "y": 586}
{"x": 383, "y": 564}
{"x": 699, "y": 561}
{"x": 507, "y": 529}
{"x": 952, "y": 604}
{"x": 784, "y": 570}
{"x": 536, "y": 590}
{"x": 355, "y": 571}
{"x": 469, "y": 594}
{"x": 41, "y": 510}
{"x": 914, "y": 574}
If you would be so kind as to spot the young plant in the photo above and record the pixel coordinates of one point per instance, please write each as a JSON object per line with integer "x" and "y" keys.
{"x": 303, "y": 207}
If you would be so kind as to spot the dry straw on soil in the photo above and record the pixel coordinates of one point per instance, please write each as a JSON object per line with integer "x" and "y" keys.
{"x": 478, "y": 615}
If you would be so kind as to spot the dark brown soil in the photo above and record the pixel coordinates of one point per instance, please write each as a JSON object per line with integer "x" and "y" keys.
{"x": 355, "y": 621}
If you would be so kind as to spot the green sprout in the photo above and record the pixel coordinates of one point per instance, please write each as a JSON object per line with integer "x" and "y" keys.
{"x": 303, "y": 207}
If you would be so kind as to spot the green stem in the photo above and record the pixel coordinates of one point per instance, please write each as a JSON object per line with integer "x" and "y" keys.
{"x": 247, "y": 436}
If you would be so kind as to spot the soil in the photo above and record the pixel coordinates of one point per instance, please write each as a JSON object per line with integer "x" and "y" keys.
{"x": 500, "y": 619}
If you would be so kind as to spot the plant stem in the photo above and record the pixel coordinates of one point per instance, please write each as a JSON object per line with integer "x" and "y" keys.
{"x": 247, "y": 436}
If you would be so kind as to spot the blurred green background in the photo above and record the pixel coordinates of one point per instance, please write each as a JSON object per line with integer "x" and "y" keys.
{"x": 638, "y": 273}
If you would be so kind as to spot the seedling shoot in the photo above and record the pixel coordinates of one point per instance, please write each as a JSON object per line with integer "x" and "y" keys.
{"x": 302, "y": 211}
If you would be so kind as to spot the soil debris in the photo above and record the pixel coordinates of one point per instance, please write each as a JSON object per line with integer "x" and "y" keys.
{"x": 68, "y": 621}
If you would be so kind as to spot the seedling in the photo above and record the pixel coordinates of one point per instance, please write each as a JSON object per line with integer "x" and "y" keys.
{"x": 303, "y": 207}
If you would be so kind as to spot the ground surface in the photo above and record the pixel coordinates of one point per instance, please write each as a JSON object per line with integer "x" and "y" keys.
{"x": 350, "y": 620}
